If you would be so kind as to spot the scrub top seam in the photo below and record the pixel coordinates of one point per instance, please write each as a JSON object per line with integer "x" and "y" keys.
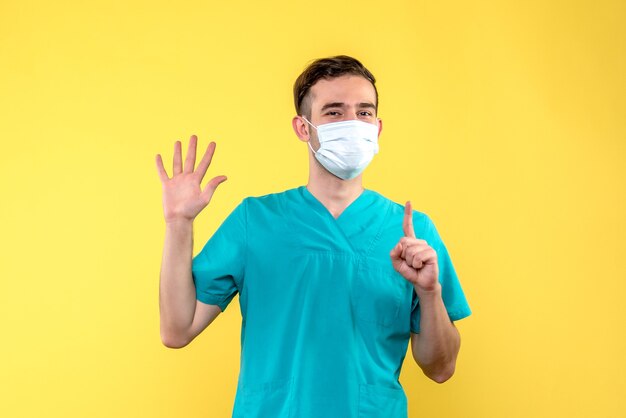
{"x": 362, "y": 257}
{"x": 378, "y": 235}
{"x": 376, "y": 238}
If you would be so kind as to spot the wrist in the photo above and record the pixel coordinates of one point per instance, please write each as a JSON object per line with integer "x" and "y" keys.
{"x": 433, "y": 292}
{"x": 178, "y": 223}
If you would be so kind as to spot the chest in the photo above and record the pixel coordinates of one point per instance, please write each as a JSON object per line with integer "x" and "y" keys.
{"x": 342, "y": 272}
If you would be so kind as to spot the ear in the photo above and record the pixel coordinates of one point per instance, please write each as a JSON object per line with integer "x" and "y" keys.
{"x": 380, "y": 126}
{"x": 300, "y": 128}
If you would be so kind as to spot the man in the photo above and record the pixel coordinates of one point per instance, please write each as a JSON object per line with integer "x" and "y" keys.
{"x": 333, "y": 279}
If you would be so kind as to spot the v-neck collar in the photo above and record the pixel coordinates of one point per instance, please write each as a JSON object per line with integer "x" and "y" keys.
{"x": 358, "y": 226}
{"x": 319, "y": 206}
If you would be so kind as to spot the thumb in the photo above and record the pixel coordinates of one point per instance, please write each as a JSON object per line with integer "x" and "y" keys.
{"x": 211, "y": 186}
{"x": 396, "y": 251}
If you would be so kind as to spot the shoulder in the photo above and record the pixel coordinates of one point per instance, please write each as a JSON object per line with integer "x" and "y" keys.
{"x": 422, "y": 223}
{"x": 271, "y": 204}
{"x": 420, "y": 219}
{"x": 270, "y": 198}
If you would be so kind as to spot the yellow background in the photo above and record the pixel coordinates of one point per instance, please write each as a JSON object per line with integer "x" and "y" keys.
{"x": 504, "y": 121}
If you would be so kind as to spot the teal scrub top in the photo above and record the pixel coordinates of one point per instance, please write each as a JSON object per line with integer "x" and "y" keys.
{"x": 326, "y": 320}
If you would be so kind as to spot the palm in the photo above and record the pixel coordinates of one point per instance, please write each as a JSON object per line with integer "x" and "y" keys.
{"x": 182, "y": 196}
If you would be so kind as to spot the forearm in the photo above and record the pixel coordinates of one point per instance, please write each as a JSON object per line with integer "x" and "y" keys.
{"x": 177, "y": 294}
{"x": 436, "y": 347}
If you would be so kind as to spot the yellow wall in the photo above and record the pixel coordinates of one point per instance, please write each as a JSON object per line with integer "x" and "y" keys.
{"x": 504, "y": 121}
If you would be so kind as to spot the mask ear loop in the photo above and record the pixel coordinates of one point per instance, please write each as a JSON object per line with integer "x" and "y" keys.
{"x": 309, "y": 141}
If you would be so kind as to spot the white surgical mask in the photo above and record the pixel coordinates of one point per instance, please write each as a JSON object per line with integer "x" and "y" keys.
{"x": 346, "y": 147}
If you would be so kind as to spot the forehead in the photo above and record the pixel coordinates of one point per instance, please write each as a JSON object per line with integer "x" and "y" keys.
{"x": 349, "y": 89}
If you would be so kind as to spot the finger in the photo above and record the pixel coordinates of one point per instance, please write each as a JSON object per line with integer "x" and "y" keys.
{"x": 162, "y": 173}
{"x": 177, "y": 159}
{"x": 407, "y": 243}
{"x": 407, "y": 225}
{"x": 411, "y": 253}
{"x": 416, "y": 263}
{"x": 396, "y": 251}
{"x": 203, "y": 165}
{"x": 414, "y": 256}
{"x": 396, "y": 261}
{"x": 209, "y": 189}
{"x": 191, "y": 154}
{"x": 413, "y": 245}
{"x": 427, "y": 256}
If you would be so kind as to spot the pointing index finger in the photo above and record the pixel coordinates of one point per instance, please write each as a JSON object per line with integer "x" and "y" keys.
{"x": 407, "y": 224}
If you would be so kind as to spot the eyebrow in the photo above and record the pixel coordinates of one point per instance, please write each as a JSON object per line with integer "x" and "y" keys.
{"x": 341, "y": 104}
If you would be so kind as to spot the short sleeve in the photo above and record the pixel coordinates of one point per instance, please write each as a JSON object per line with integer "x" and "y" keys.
{"x": 451, "y": 290}
{"x": 218, "y": 269}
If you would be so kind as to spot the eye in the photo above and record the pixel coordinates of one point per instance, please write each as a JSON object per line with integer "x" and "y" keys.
{"x": 365, "y": 113}
{"x": 332, "y": 113}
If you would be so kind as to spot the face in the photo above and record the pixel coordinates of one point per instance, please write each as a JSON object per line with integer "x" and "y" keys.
{"x": 342, "y": 98}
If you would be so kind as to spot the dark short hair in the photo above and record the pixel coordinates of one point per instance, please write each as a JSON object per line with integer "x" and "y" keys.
{"x": 328, "y": 68}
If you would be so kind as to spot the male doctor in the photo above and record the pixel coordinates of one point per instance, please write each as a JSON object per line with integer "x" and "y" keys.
{"x": 334, "y": 280}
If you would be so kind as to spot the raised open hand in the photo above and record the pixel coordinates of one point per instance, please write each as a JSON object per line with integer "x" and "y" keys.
{"x": 413, "y": 258}
{"x": 183, "y": 198}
